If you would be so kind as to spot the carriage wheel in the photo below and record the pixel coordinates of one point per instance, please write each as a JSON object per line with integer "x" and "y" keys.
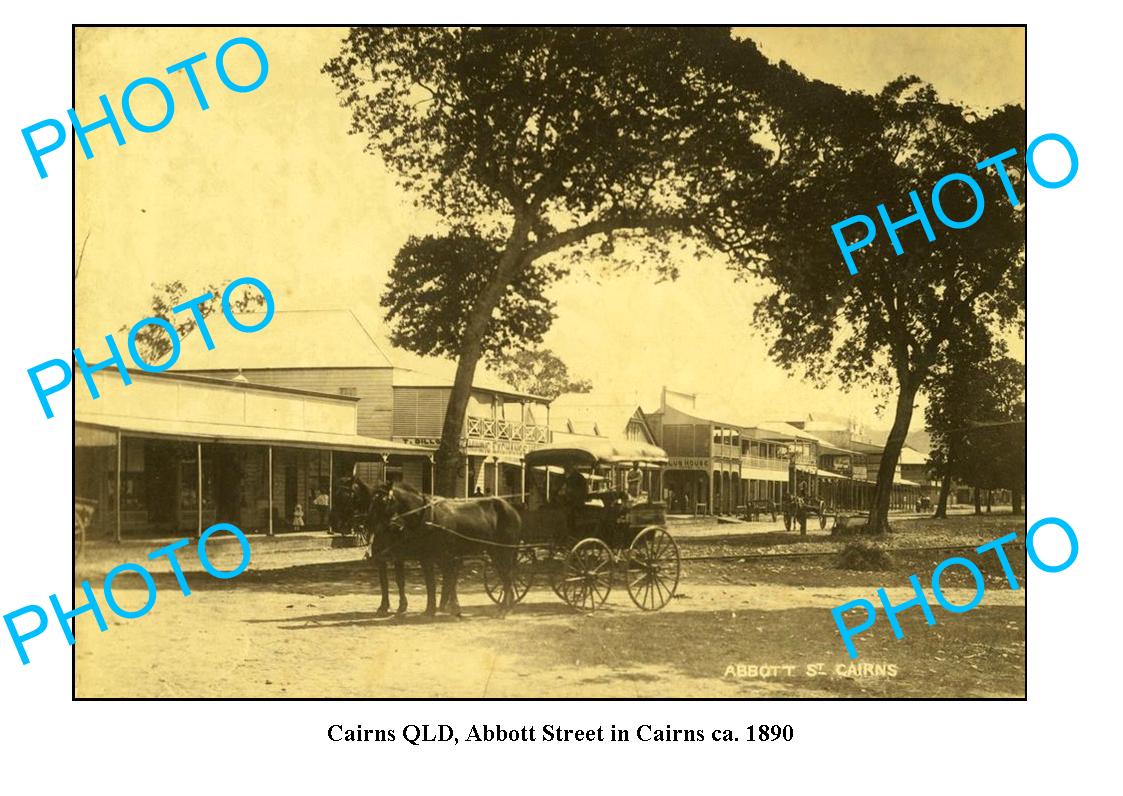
{"x": 586, "y": 575}
{"x": 521, "y": 580}
{"x": 653, "y": 568}
{"x": 559, "y": 549}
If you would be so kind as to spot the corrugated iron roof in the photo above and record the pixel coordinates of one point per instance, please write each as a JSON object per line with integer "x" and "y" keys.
{"x": 322, "y": 339}
{"x": 293, "y": 339}
{"x": 609, "y": 416}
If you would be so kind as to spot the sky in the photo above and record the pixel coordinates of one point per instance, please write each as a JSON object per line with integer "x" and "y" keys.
{"x": 269, "y": 184}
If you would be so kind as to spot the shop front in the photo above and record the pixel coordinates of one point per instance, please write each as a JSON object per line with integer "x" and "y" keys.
{"x": 171, "y": 455}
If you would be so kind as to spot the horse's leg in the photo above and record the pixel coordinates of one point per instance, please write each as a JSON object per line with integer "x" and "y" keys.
{"x": 384, "y": 582}
{"x": 400, "y": 575}
{"x": 446, "y": 564}
{"x": 504, "y": 562}
{"x": 452, "y": 570}
{"x": 430, "y": 587}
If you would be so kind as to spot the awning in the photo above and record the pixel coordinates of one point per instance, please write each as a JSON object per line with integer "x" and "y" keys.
{"x": 237, "y": 434}
{"x": 761, "y": 474}
{"x": 829, "y": 474}
{"x": 589, "y": 451}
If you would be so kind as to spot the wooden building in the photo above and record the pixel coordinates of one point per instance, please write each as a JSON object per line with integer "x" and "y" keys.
{"x": 400, "y": 397}
{"x": 174, "y": 453}
{"x": 714, "y": 466}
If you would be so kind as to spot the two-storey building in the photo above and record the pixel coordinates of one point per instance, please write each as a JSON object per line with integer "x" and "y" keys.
{"x": 716, "y": 461}
{"x": 401, "y": 397}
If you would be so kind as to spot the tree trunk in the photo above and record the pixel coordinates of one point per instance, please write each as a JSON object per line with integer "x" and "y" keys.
{"x": 978, "y": 502}
{"x": 990, "y": 493}
{"x": 1016, "y": 500}
{"x": 879, "y": 511}
{"x": 945, "y": 491}
{"x": 449, "y": 459}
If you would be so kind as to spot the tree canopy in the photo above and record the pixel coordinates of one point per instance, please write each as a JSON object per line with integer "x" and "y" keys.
{"x": 891, "y": 323}
{"x": 581, "y": 129}
{"x": 534, "y": 144}
{"x": 976, "y": 417}
{"x": 436, "y": 281}
{"x": 538, "y": 372}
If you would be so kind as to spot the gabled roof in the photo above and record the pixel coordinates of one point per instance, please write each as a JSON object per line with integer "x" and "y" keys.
{"x": 293, "y": 339}
{"x": 776, "y": 429}
{"x": 320, "y": 339}
{"x": 865, "y": 447}
{"x": 912, "y": 456}
{"x": 442, "y": 373}
{"x": 707, "y": 409}
{"x": 596, "y": 414}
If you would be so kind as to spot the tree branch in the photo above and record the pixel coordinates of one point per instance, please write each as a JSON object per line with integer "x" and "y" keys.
{"x": 604, "y": 226}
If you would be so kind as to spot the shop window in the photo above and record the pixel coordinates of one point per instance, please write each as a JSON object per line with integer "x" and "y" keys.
{"x": 189, "y": 480}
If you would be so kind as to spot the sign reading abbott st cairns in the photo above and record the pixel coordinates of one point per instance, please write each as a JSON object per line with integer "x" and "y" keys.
{"x": 81, "y": 131}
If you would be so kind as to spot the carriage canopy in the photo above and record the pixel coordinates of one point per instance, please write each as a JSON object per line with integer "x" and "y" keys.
{"x": 595, "y": 451}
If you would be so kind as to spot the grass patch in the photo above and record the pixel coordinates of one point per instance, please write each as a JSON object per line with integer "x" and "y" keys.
{"x": 865, "y": 556}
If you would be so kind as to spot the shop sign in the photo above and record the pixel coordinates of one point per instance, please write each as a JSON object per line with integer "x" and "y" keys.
{"x": 688, "y": 463}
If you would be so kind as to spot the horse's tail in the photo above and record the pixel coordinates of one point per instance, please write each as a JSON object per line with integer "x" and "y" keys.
{"x": 508, "y": 523}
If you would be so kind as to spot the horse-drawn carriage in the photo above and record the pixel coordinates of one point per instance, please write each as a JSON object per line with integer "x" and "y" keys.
{"x": 582, "y": 540}
{"x": 797, "y": 510}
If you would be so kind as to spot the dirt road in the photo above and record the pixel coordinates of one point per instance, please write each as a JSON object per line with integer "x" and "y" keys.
{"x": 311, "y": 631}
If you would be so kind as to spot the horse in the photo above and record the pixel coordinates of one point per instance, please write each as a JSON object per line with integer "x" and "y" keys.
{"x": 405, "y": 523}
{"x": 349, "y": 501}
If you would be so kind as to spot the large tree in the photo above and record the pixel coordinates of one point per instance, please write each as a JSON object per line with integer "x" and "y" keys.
{"x": 889, "y": 324}
{"x": 538, "y": 144}
{"x": 995, "y": 457}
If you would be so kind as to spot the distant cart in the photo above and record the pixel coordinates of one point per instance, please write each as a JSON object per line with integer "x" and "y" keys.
{"x": 755, "y": 509}
{"x": 583, "y": 549}
{"x": 797, "y": 510}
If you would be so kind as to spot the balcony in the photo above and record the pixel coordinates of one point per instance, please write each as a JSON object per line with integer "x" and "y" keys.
{"x": 509, "y": 430}
{"x": 763, "y": 463}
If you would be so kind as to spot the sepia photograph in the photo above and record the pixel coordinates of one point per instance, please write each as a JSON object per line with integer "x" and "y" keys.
{"x": 561, "y": 362}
